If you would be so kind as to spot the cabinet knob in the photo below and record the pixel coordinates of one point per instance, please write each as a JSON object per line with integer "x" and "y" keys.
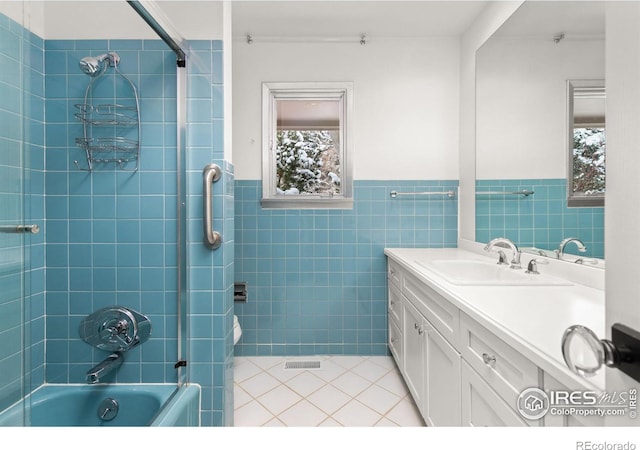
{"x": 415, "y": 326}
{"x": 420, "y": 331}
{"x": 488, "y": 359}
{"x": 392, "y": 339}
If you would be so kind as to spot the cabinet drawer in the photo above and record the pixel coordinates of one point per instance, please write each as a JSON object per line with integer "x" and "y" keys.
{"x": 507, "y": 371}
{"x": 481, "y": 406}
{"x": 394, "y": 273}
{"x": 395, "y": 343}
{"x": 395, "y": 304}
{"x": 440, "y": 312}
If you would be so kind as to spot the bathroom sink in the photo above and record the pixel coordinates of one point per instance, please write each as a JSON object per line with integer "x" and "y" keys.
{"x": 484, "y": 273}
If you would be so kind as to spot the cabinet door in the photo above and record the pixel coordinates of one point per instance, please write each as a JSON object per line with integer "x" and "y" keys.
{"x": 442, "y": 378}
{"x": 481, "y": 406}
{"x": 395, "y": 343}
{"x": 413, "y": 345}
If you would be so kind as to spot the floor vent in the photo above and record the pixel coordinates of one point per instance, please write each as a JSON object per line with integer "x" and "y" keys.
{"x": 301, "y": 365}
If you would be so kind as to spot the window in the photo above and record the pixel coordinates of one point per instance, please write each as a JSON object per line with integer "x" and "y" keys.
{"x": 306, "y": 145}
{"x": 587, "y": 143}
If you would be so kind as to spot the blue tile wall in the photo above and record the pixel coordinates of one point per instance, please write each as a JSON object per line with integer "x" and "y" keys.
{"x": 109, "y": 237}
{"x": 210, "y": 271}
{"x": 317, "y": 278}
{"x": 21, "y": 169}
{"x": 540, "y": 220}
{"x": 210, "y": 277}
{"x": 110, "y": 234}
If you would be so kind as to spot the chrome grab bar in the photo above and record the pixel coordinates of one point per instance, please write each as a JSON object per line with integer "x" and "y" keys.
{"x": 210, "y": 174}
{"x": 524, "y": 192}
{"x": 450, "y": 194}
{"x": 33, "y": 229}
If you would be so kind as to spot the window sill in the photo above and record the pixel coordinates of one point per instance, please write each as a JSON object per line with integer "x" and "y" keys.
{"x": 307, "y": 203}
{"x": 585, "y": 202}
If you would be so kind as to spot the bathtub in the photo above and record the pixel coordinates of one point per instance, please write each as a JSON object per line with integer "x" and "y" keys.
{"x": 73, "y": 405}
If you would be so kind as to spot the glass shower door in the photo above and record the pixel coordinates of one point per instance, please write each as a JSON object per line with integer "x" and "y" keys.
{"x": 14, "y": 210}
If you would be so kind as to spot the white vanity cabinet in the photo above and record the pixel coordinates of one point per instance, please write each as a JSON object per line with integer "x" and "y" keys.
{"x": 468, "y": 352}
{"x": 457, "y": 371}
{"x": 394, "y": 308}
{"x": 394, "y": 323}
{"x": 429, "y": 364}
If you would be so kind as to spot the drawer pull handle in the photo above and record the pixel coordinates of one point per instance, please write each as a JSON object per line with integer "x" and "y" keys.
{"x": 488, "y": 359}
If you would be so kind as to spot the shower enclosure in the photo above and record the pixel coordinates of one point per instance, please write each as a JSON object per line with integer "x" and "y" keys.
{"x": 74, "y": 241}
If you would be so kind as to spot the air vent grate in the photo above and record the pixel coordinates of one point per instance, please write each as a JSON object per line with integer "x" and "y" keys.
{"x": 301, "y": 365}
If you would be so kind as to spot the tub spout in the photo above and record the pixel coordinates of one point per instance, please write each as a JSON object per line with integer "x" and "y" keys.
{"x": 109, "y": 365}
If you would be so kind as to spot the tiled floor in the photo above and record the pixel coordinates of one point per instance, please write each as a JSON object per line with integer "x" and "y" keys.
{"x": 349, "y": 391}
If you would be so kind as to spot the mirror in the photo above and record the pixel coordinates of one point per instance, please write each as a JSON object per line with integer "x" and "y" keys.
{"x": 523, "y": 129}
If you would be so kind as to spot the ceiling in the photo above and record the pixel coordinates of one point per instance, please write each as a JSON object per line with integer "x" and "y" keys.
{"x": 289, "y": 19}
{"x": 336, "y": 19}
{"x": 550, "y": 18}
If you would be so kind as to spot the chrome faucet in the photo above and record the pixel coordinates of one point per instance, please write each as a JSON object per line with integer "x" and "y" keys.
{"x": 109, "y": 365}
{"x": 560, "y": 250}
{"x": 505, "y": 243}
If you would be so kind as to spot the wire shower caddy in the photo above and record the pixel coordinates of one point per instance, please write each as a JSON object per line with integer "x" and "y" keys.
{"x": 111, "y": 131}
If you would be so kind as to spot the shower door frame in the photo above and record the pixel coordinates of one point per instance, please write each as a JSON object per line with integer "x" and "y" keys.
{"x": 153, "y": 17}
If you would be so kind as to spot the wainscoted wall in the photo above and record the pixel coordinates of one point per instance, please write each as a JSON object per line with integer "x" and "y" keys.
{"x": 21, "y": 158}
{"x": 541, "y": 220}
{"x": 317, "y": 278}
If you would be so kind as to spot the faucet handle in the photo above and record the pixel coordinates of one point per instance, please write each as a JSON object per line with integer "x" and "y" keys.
{"x": 502, "y": 258}
{"x": 532, "y": 267}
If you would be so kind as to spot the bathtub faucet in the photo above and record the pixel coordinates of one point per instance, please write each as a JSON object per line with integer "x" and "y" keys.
{"x": 109, "y": 365}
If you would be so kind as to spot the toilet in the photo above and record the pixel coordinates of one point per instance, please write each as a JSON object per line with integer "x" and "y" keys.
{"x": 237, "y": 331}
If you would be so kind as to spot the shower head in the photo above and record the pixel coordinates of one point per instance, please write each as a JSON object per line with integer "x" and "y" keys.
{"x": 96, "y": 65}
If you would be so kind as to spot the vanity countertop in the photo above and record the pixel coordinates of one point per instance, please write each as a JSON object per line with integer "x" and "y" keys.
{"x": 532, "y": 319}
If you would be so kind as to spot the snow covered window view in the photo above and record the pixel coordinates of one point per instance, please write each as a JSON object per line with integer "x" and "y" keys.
{"x": 588, "y": 160}
{"x": 307, "y": 162}
{"x": 306, "y": 145}
{"x": 587, "y": 143}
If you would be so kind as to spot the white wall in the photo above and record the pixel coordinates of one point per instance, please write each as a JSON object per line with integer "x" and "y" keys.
{"x": 405, "y": 101}
{"x": 483, "y": 27}
{"x": 28, "y": 14}
{"x": 110, "y": 19}
{"x": 521, "y": 107}
{"x": 622, "y": 214}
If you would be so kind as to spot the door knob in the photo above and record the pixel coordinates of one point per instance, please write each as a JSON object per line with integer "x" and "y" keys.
{"x": 584, "y": 353}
